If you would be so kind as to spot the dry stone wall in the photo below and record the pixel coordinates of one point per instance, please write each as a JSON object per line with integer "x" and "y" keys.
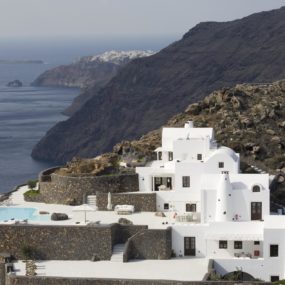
{"x": 149, "y": 244}
{"x": 57, "y": 242}
{"x": 121, "y": 233}
{"x": 65, "y": 242}
{"x": 145, "y": 202}
{"x": 58, "y": 189}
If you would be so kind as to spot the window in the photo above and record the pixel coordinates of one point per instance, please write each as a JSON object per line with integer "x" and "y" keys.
{"x": 166, "y": 206}
{"x": 237, "y": 244}
{"x": 159, "y": 155}
{"x": 274, "y": 250}
{"x": 274, "y": 278}
{"x": 186, "y": 181}
{"x": 199, "y": 156}
{"x": 170, "y": 156}
{"x": 190, "y": 207}
{"x": 223, "y": 244}
{"x": 256, "y": 188}
{"x": 221, "y": 164}
{"x": 256, "y": 253}
{"x": 256, "y": 242}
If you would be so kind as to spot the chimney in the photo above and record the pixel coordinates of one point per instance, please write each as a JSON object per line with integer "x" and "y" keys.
{"x": 189, "y": 125}
{"x": 224, "y": 199}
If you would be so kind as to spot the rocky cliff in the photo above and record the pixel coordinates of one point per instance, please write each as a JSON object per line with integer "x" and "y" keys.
{"x": 148, "y": 91}
{"x": 95, "y": 71}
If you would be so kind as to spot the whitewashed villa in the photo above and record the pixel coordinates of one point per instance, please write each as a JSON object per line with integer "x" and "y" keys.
{"x": 191, "y": 207}
{"x": 222, "y": 214}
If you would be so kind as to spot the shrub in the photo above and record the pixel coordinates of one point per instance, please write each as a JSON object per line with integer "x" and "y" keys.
{"x": 32, "y": 184}
{"x": 27, "y": 252}
{"x": 31, "y": 193}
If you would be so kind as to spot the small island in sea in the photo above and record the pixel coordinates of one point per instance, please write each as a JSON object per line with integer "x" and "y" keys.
{"x": 15, "y": 83}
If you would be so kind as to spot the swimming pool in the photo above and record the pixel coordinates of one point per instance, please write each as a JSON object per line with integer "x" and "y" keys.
{"x": 14, "y": 213}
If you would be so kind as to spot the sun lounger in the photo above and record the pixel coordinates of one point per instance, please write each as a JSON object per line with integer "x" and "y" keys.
{"x": 124, "y": 209}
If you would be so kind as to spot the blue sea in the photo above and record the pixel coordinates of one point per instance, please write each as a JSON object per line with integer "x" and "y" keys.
{"x": 27, "y": 113}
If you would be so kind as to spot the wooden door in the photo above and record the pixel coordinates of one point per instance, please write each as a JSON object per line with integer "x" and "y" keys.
{"x": 256, "y": 211}
{"x": 189, "y": 246}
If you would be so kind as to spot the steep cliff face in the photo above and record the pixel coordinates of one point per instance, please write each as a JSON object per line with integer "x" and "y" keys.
{"x": 95, "y": 71}
{"x": 148, "y": 91}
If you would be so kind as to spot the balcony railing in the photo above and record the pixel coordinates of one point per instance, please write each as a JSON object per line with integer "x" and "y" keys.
{"x": 193, "y": 217}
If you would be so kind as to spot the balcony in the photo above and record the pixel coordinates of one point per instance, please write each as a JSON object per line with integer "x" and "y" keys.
{"x": 192, "y": 217}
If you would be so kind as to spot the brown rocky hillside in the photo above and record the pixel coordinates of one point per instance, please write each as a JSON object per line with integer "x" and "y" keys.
{"x": 248, "y": 118}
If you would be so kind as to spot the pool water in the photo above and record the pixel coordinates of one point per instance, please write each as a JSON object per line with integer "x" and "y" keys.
{"x": 9, "y": 213}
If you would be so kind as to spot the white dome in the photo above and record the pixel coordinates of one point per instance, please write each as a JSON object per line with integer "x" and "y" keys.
{"x": 228, "y": 151}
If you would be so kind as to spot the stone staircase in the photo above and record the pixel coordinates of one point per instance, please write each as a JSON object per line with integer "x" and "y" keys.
{"x": 91, "y": 200}
{"x": 118, "y": 253}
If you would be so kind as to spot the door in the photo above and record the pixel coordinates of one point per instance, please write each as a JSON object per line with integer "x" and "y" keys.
{"x": 256, "y": 210}
{"x": 189, "y": 246}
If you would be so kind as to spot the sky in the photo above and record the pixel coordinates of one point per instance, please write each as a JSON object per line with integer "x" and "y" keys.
{"x": 88, "y": 18}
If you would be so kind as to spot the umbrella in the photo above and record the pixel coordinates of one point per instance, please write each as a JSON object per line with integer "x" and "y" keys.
{"x": 109, "y": 205}
{"x": 83, "y": 208}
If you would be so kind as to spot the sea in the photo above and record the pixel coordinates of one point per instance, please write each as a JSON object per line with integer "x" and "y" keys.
{"x": 28, "y": 112}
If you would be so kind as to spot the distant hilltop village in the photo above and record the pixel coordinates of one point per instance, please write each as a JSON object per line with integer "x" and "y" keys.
{"x": 87, "y": 71}
{"x": 190, "y": 207}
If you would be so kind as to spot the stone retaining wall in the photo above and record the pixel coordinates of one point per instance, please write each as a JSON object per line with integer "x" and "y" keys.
{"x": 145, "y": 202}
{"x": 149, "y": 244}
{"x": 65, "y": 242}
{"x": 45, "y": 175}
{"x": 42, "y": 280}
{"x": 121, "y": 233}
{"x": 58, "y": 242}
{"x": 58, "y": 189}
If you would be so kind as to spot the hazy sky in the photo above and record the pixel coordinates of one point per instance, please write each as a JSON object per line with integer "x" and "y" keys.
{"x": 73, "y": 18}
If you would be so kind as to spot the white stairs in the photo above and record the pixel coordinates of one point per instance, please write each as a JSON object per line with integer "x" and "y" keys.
{"x": 118, "y": 253}
{"x": 91, "y": 200}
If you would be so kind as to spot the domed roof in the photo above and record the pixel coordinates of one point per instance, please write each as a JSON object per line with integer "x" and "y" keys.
{"x": 228, "y": 151}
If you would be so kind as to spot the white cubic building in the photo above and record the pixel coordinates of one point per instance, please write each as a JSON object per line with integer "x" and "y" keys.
{"x": 218, "y": 213}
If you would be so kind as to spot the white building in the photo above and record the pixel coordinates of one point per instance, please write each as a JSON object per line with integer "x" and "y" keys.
{"x": 218, "y": 212}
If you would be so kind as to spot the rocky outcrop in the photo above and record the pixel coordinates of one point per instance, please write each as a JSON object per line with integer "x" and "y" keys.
{"x": 124, "y": 221}
{"x": 59, "y": 217}
{"x": 95, "y": 71}
{"x": 149, "y": 91}
{"x": 15, "y": 83}
{"x": 101, "y": 165}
